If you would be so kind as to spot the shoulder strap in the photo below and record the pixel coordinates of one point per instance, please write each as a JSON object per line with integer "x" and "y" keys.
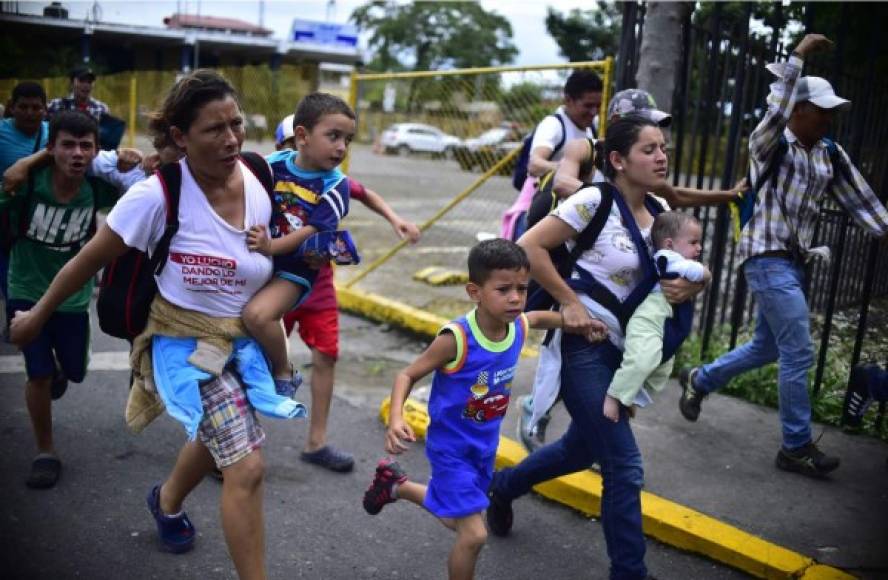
{"x": 170, "y": 176}
{"x": 257, "y": 164}
{"x": 771, "y": 169}
{"x": 38, "y": 139}
{"x": 563, "y": 135}
{"x": 590, "y": 233}
{"x": 837, "y": 160}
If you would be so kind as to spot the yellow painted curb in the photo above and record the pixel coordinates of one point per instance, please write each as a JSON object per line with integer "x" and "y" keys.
{"x": 438, "y": 276}
{"x": 662, "y": 519}
{"x": 382, "y": 309}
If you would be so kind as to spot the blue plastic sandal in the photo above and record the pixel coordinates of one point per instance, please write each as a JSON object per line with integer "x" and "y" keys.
{"x": 176, "y": 532}
{"x": 288, "y": 387}
{"x": 330, "y": 458}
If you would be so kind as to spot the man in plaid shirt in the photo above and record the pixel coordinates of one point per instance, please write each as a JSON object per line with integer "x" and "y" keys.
{"x": 82, "y": 79}
{"x": 776, "y": 243}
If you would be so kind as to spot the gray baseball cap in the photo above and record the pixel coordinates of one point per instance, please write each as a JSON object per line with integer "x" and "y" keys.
{"x": 637, "y": 102}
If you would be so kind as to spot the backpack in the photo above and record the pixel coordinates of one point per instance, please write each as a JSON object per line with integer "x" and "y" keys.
{"x": 128, "y": 283}
{"x": 519, "y": 174}
{"x": 743, "y": 207}
{"x": 564, "y": 260}
{"x": 545, "y": 198}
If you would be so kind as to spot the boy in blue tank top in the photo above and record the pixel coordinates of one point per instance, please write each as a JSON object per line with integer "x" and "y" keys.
{"x": 474, "y": 359}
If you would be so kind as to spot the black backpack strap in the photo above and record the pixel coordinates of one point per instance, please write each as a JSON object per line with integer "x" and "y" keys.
{"x": 771, "y": 169}
{"x": 170, "y": 176}
{"x": 563, "y": 135}
{"x": 837, "y": 160}
{"x": 257, "y": 164}
{"x": 590, "y": 233}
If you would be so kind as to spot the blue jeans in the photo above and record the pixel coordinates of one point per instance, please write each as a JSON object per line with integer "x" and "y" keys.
{"x": 585, "y": 375}
{"x": 782, "y": 333}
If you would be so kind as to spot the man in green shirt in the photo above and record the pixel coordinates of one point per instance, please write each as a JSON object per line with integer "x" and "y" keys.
{"x": 55, "y": 216}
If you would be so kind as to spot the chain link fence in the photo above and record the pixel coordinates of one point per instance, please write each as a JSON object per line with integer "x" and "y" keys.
{"x": 441, "y": 147}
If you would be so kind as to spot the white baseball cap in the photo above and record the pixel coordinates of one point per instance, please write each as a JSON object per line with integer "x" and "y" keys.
{"x": 818, "y": 91}
{"x": 284, "y": 130}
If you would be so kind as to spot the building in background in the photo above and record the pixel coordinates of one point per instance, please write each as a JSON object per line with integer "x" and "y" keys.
{"x": 184, "y": 42}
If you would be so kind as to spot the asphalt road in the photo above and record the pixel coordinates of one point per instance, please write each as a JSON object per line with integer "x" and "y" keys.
{"x": 94, "y": 524}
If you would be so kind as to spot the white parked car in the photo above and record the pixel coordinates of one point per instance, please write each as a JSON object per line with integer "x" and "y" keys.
{"x": 406, "y": 138}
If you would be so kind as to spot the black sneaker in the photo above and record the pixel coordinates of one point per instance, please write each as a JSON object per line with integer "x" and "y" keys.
{"x": 499, "y": 514}
{"x": 807, "y": 460}
{"x": 381, "y": 490}
{"x": 857, "y": 397}
{"x": 689, "y": 403}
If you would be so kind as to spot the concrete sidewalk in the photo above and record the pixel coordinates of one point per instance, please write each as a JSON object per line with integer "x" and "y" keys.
{"x": 94, "y": 525}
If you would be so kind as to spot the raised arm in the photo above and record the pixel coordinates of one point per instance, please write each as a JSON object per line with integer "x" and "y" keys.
{"x": 403, "y": 228}
{"x": 782, "y": 98}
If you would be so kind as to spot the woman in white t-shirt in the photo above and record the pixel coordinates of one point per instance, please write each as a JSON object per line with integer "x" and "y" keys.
{"x": 210, "y": 272}
{"x": 635, "y": 163}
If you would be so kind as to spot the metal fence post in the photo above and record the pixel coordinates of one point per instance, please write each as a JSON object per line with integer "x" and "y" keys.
{"x": 709, "y": 101}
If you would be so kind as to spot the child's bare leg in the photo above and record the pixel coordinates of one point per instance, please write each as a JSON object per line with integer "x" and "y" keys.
{"x": 262, "y": 317}
{"x": 322, "y": 377}
{"x": 415, "y": 493}
{"x": 471, "y": 535}
{"x": 39, "y": 400}
{"x": 412, "y": 492}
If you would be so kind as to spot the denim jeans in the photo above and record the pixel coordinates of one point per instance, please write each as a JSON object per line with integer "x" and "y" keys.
{"x": 782, "y": 333}
{"x": 585, "y": 375}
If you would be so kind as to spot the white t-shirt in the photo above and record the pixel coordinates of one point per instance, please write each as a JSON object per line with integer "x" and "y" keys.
{"x": 612, "y": 261}
{"x": 548, "y": 133}
{"x": 209, "y": 269}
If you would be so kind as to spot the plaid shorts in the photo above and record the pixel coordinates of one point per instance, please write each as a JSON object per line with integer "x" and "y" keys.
{"x": 229, "y": 427}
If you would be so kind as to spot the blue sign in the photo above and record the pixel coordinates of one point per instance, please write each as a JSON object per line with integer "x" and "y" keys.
{"x": 324, "y": 33}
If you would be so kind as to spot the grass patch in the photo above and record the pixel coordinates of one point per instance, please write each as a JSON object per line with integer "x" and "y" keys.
{"x": 760, "y": 385}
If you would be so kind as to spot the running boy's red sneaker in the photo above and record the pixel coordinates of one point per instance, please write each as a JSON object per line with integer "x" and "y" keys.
{"x": 381, "y": 490}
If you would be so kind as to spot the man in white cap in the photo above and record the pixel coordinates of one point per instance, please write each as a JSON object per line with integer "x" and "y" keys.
{"x": 776, "y": 242}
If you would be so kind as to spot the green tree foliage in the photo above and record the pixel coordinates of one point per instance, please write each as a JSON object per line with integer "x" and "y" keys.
{"x": 586, "y": 34}
{"x": 434, "y": 35}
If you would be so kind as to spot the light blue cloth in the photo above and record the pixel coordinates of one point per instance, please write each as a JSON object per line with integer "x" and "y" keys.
{"x": 14, "y": 144}
{"x": 178, "y": 381}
